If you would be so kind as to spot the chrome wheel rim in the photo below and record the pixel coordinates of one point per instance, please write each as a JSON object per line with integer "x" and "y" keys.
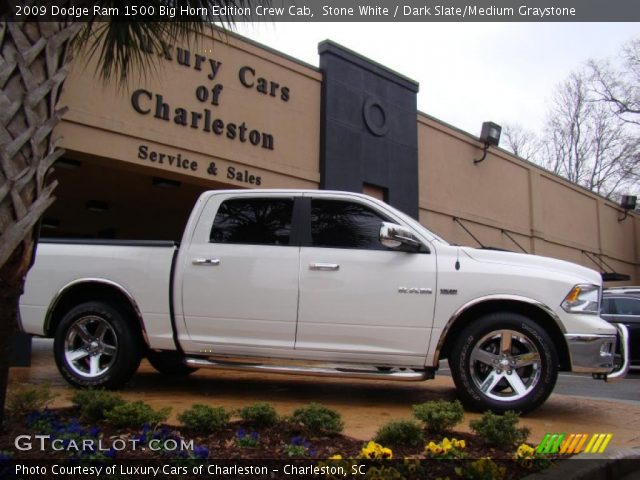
{"x": 505, "y": 365}
{"x": 90, "y": 346}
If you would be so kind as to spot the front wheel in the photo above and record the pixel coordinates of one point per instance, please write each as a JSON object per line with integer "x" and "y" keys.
{"x": 96, "y": 346}
{"x": 504, "y": 361}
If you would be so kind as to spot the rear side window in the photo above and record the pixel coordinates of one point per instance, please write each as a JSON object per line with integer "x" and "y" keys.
{"x": 253, "y": 221}
{"x": 343, "y": 224}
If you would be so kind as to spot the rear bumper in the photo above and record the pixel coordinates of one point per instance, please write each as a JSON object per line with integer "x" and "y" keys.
{"x": 597, "y": 354}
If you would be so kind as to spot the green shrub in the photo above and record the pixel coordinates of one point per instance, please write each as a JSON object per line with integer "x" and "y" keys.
{"x": 400, "y": 433}
{"x": 136, "y": 414}
{"x": 26, "y": 400}
{"x": 94, "y": 404}
{"x": 259, "y": 415}
{"x": 439, "y": 416}
{"x": 500, "y": 430}
{"x": 204, "y": 419}
{"x": 318, "y": 419}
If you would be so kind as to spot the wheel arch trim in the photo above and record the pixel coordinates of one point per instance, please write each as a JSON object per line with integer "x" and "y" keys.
{"x": 488, "y": 298}
{"x": 62, "y": 292}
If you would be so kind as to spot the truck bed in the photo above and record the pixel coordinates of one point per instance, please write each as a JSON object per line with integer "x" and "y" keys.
{"x": 140, "y": 268}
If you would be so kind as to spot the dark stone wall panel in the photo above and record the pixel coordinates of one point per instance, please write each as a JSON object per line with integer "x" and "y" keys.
{"x": 369, "y": 128}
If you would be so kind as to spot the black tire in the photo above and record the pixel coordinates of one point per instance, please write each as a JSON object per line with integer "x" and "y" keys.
{"x": 497, "y": 382}
{"x": 169, "y": 363}
{"x": 105, "y": 341}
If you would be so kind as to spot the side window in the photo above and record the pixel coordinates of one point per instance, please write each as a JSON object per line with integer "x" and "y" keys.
{"x": 343, "y": 224}
{"x": 627, "y": 306}
{"x": 253, "y": 221}
{"x": 608, "y": 306}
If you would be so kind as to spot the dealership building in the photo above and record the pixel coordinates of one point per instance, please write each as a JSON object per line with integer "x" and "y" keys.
{"x": 222, "y": 112}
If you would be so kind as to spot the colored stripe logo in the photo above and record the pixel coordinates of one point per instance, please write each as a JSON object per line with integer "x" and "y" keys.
{"x": 574, "y": 443}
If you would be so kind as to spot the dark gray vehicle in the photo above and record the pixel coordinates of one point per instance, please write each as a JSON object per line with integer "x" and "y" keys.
{"x": 622, "y": 305}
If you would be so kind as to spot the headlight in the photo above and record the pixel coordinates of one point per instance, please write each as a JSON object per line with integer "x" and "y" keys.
{"x": 582, "y": 299}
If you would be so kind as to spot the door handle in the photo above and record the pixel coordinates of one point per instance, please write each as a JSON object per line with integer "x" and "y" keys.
{"x": 324, "y": 266}
{"x": 208, "y": 262}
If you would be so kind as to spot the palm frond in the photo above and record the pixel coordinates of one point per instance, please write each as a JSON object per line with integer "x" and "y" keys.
{"x": 123, "y": 45}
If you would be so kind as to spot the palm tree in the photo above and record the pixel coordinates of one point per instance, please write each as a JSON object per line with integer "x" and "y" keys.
{"x": 34, "y": 56}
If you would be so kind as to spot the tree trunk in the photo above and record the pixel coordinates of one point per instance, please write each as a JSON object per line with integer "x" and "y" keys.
{"x": 33, "y": 60}
{"x": 11, "y": 282}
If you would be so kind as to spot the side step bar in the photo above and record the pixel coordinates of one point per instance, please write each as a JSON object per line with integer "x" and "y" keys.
{"x": 404, "y": 375}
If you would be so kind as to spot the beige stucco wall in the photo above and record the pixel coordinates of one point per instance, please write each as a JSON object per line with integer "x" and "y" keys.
{"x": 501, "y": 196}
{"x": 102, "y": 121}
{"x": 545, "y": 214}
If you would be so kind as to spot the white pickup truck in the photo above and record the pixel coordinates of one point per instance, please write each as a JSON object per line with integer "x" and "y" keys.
{"x": 320, "y": 283}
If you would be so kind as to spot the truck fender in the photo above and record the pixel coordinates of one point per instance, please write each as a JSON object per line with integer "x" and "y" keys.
{"x": 78, "y": 285}
{"x": 507, "y": 299}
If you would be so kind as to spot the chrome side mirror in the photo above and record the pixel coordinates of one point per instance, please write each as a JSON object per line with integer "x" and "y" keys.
{"x": 395, "y": 236}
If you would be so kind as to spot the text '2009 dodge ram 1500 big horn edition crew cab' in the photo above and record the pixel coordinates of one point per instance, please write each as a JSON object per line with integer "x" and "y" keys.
{"x": 326, "y": 283}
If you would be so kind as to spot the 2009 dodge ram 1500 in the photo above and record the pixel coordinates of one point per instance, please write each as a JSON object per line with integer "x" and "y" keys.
{"x": 319, "y": 282}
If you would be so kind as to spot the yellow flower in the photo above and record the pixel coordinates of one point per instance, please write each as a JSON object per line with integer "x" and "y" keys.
{"x": 447, "y": 448}
{"x": 337, "y": 456}
{"x": 459, "y": 444}
{"x": 525, "y": 455}
{"x": 374, "y": 451}
{"x": 525, "y": 450}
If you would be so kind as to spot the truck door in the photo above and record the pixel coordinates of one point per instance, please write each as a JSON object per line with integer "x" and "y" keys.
{"x": 357, "y": 297}
{"x": 240, "y": 280}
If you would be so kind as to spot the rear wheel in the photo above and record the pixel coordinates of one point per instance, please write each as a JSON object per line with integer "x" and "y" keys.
{"x": 95, "y": 345}
{"x": 504, "y": 361}
{"x": 169, "y": 363}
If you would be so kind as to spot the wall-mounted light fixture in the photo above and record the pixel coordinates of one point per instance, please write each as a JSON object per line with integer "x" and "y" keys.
{"x": 489, "y": 135}
{"x": 97, "y": 206}
{"x": 627, "y": 202}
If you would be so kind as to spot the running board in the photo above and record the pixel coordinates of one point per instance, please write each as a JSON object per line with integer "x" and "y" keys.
{"x": 404, "y": 375}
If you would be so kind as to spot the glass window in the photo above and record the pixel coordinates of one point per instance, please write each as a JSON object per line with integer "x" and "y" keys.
{"x": 607, "y": 306}
{"x": 254, "y": 221}
{"x": 342, "y": 224}
{"x": 627, "y": 306}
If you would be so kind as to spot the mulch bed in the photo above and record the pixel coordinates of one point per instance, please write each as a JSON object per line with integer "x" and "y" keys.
{"x": 222, "y": 448}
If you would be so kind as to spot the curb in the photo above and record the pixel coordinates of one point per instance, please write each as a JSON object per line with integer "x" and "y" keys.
{"x": 615, "y": 464}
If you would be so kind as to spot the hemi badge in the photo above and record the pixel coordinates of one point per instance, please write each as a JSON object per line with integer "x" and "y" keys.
{"x": 448, "y": 291}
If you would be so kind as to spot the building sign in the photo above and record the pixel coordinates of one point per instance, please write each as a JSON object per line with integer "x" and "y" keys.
{"x": 216, "y": 108}
{"x": 184, "y": 164}
{"x": 210, "y": 96}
